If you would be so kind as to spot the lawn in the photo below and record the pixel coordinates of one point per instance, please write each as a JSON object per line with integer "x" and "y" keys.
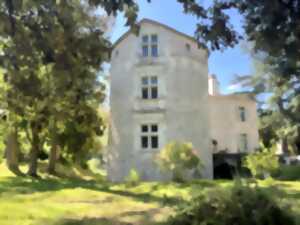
{"x": 54, "y": 201}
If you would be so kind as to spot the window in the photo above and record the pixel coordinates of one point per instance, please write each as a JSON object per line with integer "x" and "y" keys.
{"x": 149, "y": 136}
{"x": 150, "y": 45}
{"x": 243, "y": 142}
{"x": 242, "y": 113}
{"x": 145, "y": 41}
{"x": 154, "y": 47}
{"x": 149, "y": 87}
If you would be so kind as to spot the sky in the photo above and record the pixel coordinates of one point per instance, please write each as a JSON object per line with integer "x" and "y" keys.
{"x": 225, "y": 65}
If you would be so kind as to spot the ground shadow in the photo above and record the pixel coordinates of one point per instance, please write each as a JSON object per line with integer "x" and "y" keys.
{"x": 19, "y": 185}
{"x": 91, "y": 221}
{"x": 144, "y": 217}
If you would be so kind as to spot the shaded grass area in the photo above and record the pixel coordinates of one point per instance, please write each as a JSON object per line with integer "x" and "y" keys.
{"x": 74, "y": 201}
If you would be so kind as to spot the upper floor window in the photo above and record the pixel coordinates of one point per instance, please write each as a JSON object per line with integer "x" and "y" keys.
{"x": 145, "y": 40}
{"x": 242, "y": 113}
{"x": 149, "y": 136}
{"x": 243, "y": 142}
{"x": 150, "y": 45}
{"x": 149, "y": 87}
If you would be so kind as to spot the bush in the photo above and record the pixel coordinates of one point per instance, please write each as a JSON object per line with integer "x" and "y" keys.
{"x": 262, "y": 163}
{"x": 96, "y": 168}
{"x": 133, "y": 178}
{"x": 241, "y": 205}
{"x": 178, "y": 158}
{"x": 288, "y": 172}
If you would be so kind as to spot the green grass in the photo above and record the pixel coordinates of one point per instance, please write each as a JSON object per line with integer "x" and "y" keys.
{"x": 54, "y": 201}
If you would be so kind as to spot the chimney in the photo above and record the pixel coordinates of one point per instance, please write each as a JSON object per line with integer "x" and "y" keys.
{"x": 213, "y": 85}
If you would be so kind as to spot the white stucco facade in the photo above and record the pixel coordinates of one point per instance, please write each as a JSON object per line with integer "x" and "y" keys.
{"x": 180, "y": 108}
{"x": 226, "y": 126}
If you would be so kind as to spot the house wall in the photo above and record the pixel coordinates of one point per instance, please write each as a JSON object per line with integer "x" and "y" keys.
{"x": 181, "y": 110}
{"x": 226, "y": 125}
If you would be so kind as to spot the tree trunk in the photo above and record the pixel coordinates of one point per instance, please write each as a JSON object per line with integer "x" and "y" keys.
{"x": 33, "y": 161}
{"x": 53, "y": 158}
{"x": 12, "y": 152}
{"x": 285, "y": 146}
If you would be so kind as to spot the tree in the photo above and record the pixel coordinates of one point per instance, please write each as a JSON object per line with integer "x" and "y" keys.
{"x": 274, "y": 125}
{"x": 9, "y": 132}
{"x": 178, "y": 158}
{"x": 262, "y": 163}
{"x": 12, "y": 151}
{"x": 269, "y": 124}
{"x": 50, "y": 53}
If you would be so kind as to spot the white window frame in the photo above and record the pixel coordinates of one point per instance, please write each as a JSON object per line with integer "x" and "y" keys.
{"x": 243, "y": 142}
{"x": 149, "y": 135}
{"x": 149, "y": 42}
{"x": 149, "y": 86}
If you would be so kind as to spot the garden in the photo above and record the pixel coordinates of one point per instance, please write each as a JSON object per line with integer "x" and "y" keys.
{"x": 24, "y": 201}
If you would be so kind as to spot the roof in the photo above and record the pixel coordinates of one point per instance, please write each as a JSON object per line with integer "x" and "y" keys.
{"x": 145, "y": 20}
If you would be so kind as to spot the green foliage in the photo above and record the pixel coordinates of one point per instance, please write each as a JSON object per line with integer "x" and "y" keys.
{"x": 288, "y": 172}
{"x": 242, "y": 205}
{"x": 50, "y": 56}
{"x": 2, "y": 140}
{"x": 133, "y": 178}
{"x": 262, "y": 163}
{"x": 178, "y": 158}
{"x": 97, "y": 169}
{"x": 276, "y": 61}
{"x": 268, "y": 125}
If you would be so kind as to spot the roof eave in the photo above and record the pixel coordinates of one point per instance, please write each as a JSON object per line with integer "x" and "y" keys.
{"x": 127, "y": 33}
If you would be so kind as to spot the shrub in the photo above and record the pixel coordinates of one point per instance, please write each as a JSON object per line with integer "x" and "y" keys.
{"x": 262, "y": 163}
{"x": 178, "y": 158}
{"x": 288, "y": 172}
{"x": 241, "y": 205}
{"x": 133, "y": 178}
{"x": 96, "y": 168}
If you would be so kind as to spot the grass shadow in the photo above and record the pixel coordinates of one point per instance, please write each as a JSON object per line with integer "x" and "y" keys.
{"x": 91, "y": 221}
{"x": 20, "y": 185}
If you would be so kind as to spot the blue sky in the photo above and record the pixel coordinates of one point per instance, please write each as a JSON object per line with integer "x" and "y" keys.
{"x": 224, "y": 64}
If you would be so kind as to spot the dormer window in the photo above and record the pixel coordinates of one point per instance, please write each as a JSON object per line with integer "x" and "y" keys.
{"x": 154, "y": 46}
{"x": 145, "y": 40}
{"x": 150, "y": 45}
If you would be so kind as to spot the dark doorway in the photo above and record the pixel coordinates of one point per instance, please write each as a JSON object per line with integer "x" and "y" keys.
{"x": 224, "y": 171}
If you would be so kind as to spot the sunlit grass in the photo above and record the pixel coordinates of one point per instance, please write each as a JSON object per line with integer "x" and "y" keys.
{"x": 62, "y": 201}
